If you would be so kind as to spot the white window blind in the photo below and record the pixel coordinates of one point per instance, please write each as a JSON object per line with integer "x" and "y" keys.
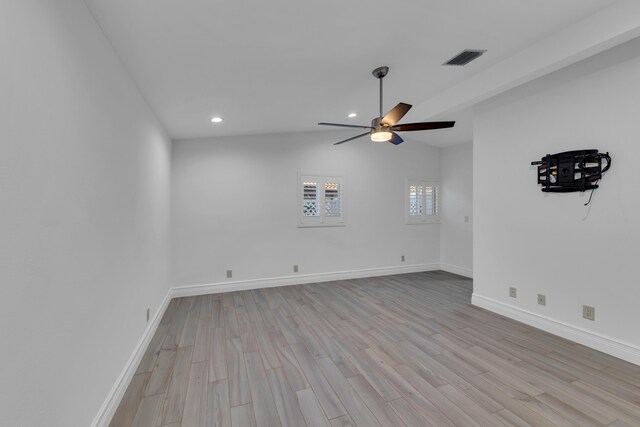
{"x": 422, "y": 204}
{"x": 310, "y": 199}
{"x": 321, "y": 201}
{"x": 332, "y": 199}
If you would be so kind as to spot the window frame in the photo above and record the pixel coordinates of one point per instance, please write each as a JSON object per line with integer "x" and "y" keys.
{"x": 322, "y": 220}
{"x": 424, "y": 218}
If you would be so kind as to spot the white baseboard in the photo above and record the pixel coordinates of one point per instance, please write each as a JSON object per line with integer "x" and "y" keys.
{"x": 108, "y": 409}
{"x": 612, "y": 346}
{"x": 461, "y": 271}
{"x": 300, "y": 279}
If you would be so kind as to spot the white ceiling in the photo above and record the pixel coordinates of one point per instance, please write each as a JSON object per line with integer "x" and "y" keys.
{"x": 284, "y": 65}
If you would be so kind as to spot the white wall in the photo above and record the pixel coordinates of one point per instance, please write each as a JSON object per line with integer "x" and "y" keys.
{"x": 84, "y": 198}
{"x": 551, "y": 243}
{"x": 456, "y": 229}
{"x": 235, "y": 206}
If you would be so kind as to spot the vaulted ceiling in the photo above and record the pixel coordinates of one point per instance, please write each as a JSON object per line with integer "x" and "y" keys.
{"x": 284, "y": 65}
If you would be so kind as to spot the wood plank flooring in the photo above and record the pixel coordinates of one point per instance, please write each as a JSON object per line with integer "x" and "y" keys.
{"x": 406, "y": 350}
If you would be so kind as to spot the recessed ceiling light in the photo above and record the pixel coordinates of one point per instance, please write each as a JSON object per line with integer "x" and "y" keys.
{"x": 216, "y": 120}
{"x": 352, "y": 115}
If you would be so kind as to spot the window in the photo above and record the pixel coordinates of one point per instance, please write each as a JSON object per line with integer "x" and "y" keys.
{"x": 422, "y": 202}
{"x": 321, "y": 201}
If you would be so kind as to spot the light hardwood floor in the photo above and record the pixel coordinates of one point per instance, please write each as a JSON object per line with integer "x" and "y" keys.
{"x": 390, "y": 351}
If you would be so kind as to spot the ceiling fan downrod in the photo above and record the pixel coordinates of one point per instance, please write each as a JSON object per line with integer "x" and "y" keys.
{"x": 379, "y": 73}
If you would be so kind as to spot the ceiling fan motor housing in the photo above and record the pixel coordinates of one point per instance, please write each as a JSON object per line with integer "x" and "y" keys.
{"x": 375, "y": 124}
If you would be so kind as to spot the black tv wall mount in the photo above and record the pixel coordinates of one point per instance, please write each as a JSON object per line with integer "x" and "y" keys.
{"x": 570, "y": 171}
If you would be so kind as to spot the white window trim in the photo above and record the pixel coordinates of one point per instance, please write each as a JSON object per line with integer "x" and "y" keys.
{"x": 424, "y": 218}
{"x": 322, "y": 220}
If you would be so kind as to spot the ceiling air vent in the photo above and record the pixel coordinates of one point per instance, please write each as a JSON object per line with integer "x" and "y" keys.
{"x": 464, "y": 57}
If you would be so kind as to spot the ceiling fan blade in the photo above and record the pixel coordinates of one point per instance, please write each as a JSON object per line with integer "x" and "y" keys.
{"x": 395, "y": 139}
{"x": 345, "y": 126}
{"x": 352, "y": 138}
{"x": 395, "y": 114}
{"x": 422, "y": 126}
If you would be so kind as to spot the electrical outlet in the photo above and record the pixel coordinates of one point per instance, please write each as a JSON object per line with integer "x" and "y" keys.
{"x": 542, "y": 300}
{"x": 588, "y": 313}
{"x": 402, "y": 258}
{"x": 295, "y": 268}
{"x": 466, "y": 218}
{"x": 513, "y": 292}
{"x": 148, "y": 315}
{"x": 229, "y": 274}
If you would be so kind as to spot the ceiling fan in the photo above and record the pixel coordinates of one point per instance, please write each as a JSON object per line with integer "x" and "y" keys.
{"x": 384, "y": 129}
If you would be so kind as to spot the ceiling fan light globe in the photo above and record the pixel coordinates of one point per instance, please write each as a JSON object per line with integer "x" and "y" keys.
{"x": 381, "y": 136}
